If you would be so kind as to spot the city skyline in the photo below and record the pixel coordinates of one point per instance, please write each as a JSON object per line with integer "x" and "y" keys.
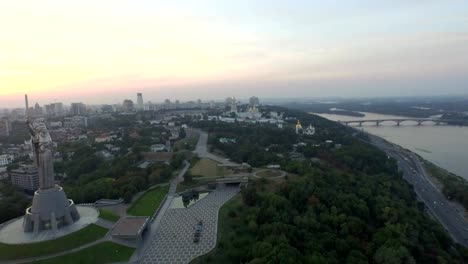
{"x": 108, "y": 51}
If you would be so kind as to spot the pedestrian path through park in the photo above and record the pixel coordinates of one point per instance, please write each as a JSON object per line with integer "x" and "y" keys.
{"x": 173, "y": 239}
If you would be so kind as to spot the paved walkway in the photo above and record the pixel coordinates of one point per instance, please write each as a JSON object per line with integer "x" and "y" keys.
{"x": 173, "y": 240}
{"x": 147, "y": 238}
{"x": 202, "y": 150}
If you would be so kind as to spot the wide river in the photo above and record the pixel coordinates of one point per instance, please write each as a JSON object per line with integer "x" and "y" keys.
{"x": 445, "y": 146}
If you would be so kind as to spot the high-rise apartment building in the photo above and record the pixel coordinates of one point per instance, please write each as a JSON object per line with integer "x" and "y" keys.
{"x": 140, "y": 106}
{"x": 78, "y": 109}
{"x": 127, "y": 105}
{"x": 54, "y": 109}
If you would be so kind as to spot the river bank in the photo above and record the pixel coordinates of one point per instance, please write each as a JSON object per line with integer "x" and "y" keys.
{"x": 454, "y": 187}
{"x": 444, "y": 146}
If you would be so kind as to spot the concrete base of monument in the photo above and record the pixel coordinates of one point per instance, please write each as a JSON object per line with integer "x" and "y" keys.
{"x": 13, "y": 233}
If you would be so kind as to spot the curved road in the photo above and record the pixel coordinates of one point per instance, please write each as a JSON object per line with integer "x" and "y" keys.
{"x": 449, "y": 214}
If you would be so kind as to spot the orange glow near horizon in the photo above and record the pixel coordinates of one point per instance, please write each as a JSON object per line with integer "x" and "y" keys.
{"x": 52, "y": 49}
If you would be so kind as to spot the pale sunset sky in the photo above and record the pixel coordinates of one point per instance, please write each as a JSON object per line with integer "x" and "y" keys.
{"x": 108, "y": 50}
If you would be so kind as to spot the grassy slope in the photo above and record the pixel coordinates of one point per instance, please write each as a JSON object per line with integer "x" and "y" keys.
{"x": 229, "y": 226}
{"x": 147, "y": 204}
{"x": 204, "y": 172}
{"x": 106, "y": 252}
{"x": 208, "y": 168}
{"x": 84, "y": 236}
{"x": 108, "y": 215}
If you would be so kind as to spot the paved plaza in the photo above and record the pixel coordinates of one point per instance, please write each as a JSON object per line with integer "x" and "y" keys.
{"x": 13, "y": 233}
{"x": 173, "y": 239}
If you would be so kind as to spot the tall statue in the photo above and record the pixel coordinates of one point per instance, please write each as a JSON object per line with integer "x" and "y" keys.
{"x": 50, "y": 209}
{"x": 43, "y": 153}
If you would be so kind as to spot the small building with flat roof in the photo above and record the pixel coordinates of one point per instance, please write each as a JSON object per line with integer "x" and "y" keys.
{"x": 131, "y": 227}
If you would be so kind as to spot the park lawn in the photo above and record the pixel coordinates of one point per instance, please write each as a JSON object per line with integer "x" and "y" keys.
{"x": 230, "y": 226}
{"x": 106, "y": 252}
{"x": 108, "y": 215}
{"x": 81, "y": 237}
{"x": 147, "y": 204}
{"x": 208, "y": 168}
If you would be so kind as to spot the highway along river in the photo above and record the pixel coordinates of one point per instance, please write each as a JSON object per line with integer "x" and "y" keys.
{"x": 445, "y": 146}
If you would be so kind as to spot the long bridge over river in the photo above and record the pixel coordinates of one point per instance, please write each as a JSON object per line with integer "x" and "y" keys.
{"x": 398, "y": 121}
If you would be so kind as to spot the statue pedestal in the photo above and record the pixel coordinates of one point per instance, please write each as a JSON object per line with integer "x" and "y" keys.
{"x": 50, "y": 210}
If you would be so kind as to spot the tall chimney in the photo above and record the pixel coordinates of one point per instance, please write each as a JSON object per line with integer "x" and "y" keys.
{"x": 27, "y": 105}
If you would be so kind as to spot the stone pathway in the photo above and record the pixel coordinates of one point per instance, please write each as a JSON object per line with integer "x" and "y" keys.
{"x": 173, "y": 239}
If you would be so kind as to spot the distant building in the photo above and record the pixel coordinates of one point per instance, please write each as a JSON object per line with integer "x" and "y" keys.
{"x": 310, "y": 130}
{"x": 168, "y": 104}
{"x": 5, "y": 127}
{"x": 26, "y": 178}
{"x": 150, "y": 106}
{"x": 227, "y": 140}
{"x": 229, "y": 101}
{"x": 55, "y": 124}
{"x": 140, "y": 106}
{"x": 127, "y": 105}
{"x": 54, "y": 109}
{"x": 76, "y": 121}
{"x": 107, "y": 108}
{"x": 78, "y": 109}
{"x": 38, "y": 110}
{"x": 299, "y": 127}
{"x": 254, "y": 101}
{"x": 252, "y": 113}
{"x": 6, "y": 159}
{"x": 103, "y": 139}
{"x": 158, "y": 147}
{"x": 234, "y": 105}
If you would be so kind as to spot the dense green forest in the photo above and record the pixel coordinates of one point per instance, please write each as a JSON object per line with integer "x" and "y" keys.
{"x": 12, "y": 202}
{"x": 353, "y": 208}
